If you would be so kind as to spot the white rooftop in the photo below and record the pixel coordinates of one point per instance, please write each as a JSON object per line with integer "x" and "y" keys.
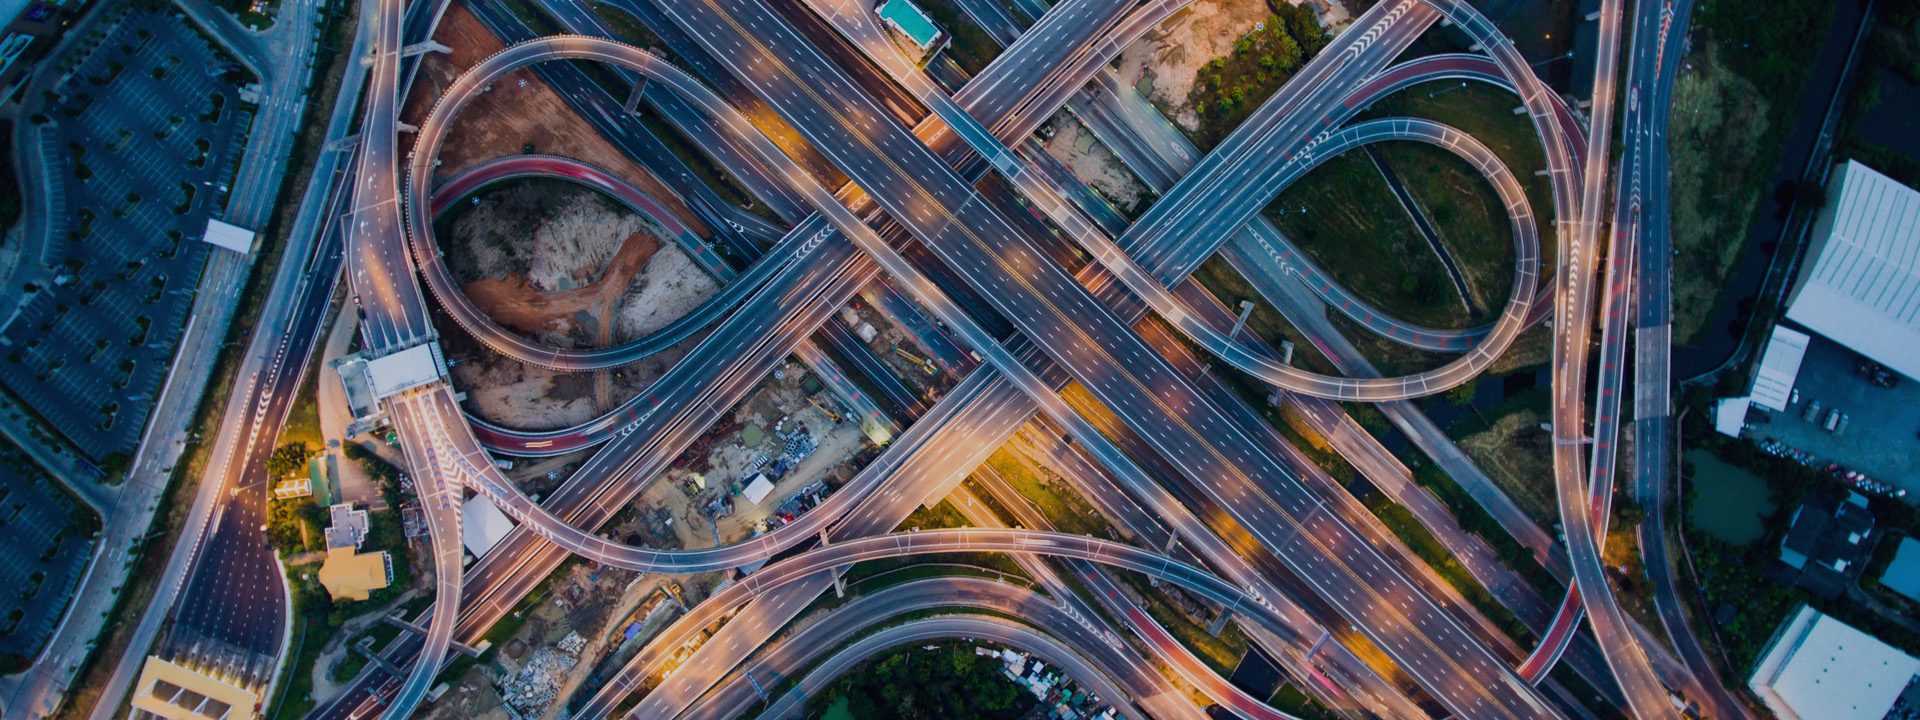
{"x": 1773, "y": 383}
{"x": 482, "y": 525}
{"x": 1730, "y": 415}
{"x": 410, "y": 368}
{"x": 231, "y": 237}
{"x": 1822, "y": 669}
{"x": 758, "y": 489}
{"x": 1861, "y": 286}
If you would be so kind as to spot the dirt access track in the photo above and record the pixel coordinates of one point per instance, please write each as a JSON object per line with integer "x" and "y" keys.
{"x": 519, "y": 110}
{"x": 513, "y": 301}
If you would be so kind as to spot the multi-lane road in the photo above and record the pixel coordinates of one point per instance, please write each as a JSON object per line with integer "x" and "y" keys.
{"x": 1063, "y": 326}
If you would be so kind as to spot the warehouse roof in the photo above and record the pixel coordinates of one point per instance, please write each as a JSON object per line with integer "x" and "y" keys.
{"x": 910, "y": 20}
{"x": 1903, "y": 576}
{"x": 1819, "y": 667}
{"x": 1773, "y": 383}
{"x": 1862, "y": 284}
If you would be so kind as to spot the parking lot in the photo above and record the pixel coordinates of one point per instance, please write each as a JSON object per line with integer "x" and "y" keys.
{"x": 1881, "y": 436}
{"x": 44, "y": 545}
{"x": 145, "y": 136}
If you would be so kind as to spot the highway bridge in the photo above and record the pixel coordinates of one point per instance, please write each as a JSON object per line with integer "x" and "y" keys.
{"x": 912, "y": 173}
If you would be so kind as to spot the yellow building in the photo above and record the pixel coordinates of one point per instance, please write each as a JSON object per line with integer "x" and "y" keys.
{"x": 177, "y": 693}
{"x": 348, "y": 575}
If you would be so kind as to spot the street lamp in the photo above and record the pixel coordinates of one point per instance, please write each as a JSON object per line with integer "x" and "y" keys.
{"x": 1445, "y": 90}
{"x": 1302, "y": 210}
{"x": 1537, "y": 65}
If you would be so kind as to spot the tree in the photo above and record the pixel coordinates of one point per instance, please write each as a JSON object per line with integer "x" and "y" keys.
{"x": 1463, "y": 394}
{"x": 288, "y": 459}
{"x": 1288, "y": 53}
{"x": 1627, "y": 514}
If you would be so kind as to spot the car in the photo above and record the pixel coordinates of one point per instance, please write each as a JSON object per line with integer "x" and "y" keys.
{"x": 1875, "y": 373}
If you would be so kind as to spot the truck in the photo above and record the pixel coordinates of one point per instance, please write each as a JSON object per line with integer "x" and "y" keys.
{"x": 1833, "y": 420}
{"x": 1813, "y": 411}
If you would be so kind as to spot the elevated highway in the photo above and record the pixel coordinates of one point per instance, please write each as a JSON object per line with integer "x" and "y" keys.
{"x": 846, "y": 124}
{"x": 972, "y": 627}
{"x": 876, "y": 239}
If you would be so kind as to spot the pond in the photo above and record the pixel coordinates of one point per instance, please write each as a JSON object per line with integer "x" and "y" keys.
{"x": 1732, "y": 501}
{"x": 839, "y": 710}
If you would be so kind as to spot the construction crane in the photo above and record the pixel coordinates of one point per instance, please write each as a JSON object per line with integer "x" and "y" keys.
{"x": 924, "y": 363}
{"x": 831, "y": 415}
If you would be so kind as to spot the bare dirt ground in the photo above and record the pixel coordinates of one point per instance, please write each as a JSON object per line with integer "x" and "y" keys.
{"x": 1090, "y": 160}
{"x": 548, "y": 259}
{"x": 888, "y": 335}
{"x": 1165, "y": 62}
{"x": 567, "y": 267}
{"x": 520, "y": 110}
{"x": 698, "y": 502}
{"x": 594, "y": 603}
{"x": 516, "y": 395}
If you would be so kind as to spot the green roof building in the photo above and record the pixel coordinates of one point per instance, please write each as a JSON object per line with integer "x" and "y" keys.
{"x": 912, "y": 22}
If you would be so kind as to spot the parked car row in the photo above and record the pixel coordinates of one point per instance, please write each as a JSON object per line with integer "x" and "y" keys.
{"x": 1854, "y": 478}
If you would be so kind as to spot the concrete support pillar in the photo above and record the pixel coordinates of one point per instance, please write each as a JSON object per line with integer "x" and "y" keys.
{"x": 377, "y": 660}
{"x": 633, "y": 97}
{"x": 424, "y": 47}
{"x": 1219, "y": 623}
{"x": 469, "y": 650}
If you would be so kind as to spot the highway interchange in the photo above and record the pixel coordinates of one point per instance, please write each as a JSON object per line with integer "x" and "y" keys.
{"x": 1290, "y": 559}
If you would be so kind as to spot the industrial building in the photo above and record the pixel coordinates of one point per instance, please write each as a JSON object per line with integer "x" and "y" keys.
{"x": 1861, "y": 283}
{"x": 1818, "y": 668}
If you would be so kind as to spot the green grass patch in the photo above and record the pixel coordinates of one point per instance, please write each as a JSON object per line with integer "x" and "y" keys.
{"x": 1486, "y": 113}
{"x": 1064, "y": 508}
{"x": 1719, "y": 176}
{"x": 311, "y": 630}
{"x": 941, "y": 516}
{"x": 1356, "y": 231}
{"x": 303, "y": 417}
{"x": 1219, "y": 277}
{"x": 1475, "y": 519}
{"x": 1221, "y": 653}
{"x": 1291, "y": 700}
{"x": 1466, "y": 213}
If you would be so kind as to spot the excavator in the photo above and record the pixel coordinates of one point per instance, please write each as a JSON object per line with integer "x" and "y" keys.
{"x": 924, "y": 363}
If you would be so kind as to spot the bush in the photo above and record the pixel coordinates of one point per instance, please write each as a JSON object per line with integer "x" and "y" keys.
{"x": 949, "y": 681}
{"x": 288, "y": 459}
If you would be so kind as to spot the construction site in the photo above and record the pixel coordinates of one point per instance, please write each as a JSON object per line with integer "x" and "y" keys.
{"x": 568, "y": 267}
{"x": 587, "y": 619}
